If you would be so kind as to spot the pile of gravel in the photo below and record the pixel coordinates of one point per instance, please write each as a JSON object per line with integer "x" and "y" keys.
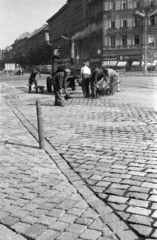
{"x": 5, "y": 88}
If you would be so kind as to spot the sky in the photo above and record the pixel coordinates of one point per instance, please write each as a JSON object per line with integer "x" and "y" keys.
{"x": 20, "y": 16}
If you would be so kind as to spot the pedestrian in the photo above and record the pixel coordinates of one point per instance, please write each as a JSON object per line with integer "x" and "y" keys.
{"x": 59, "y": 81}
{"x": 85, "y": 74}
{"x": 112, "y": 76}
{"x": 32, "y": 79}
{"x": 97, "y": 76}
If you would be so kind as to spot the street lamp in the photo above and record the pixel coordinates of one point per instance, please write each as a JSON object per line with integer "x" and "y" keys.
{"x": 145, "y": 17}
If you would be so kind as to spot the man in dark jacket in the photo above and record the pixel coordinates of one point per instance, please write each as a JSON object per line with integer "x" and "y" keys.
{"x": 96, "y": 76}
{"x": 32, "y": 79}
{"x": 59, "y": 82}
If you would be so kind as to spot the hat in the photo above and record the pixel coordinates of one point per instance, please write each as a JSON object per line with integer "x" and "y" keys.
{"x": 58, "y": 47}
{"x": 86, "y": 63}
{"x": 67, "y": 70}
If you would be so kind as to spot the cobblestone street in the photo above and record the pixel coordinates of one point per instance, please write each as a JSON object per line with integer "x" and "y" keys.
{"x": 96, "y": 179}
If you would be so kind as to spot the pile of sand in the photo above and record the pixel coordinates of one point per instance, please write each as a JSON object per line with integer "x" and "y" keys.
{"x": 5, "y": 88}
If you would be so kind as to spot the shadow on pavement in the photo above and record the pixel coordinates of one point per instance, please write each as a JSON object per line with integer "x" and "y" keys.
{"x": 21, "y": 145}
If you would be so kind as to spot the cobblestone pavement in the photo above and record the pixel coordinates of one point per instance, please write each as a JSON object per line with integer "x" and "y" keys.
{"x": 97, "y": 179}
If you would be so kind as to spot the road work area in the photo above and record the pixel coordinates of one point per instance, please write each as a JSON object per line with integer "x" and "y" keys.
{"x": 96, "y": 178}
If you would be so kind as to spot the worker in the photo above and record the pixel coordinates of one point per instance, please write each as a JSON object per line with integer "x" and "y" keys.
{"x": 85, "y": 74}
{"x": 32, "y": 79}
{"x": 59, "y": 81}
{"x": 97, "y": 75}
{"x": 112, "y": 76}
{"x": 56, "y": 57}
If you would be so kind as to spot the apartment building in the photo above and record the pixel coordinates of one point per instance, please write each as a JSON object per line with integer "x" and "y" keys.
{"x": 80, "y": 20}
{"x": 128, "y": 31}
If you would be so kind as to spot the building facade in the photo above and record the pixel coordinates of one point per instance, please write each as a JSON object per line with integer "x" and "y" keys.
{"x": 106, "y": 30}
{"x": 80, "y": 20}
{"x": 127, "y": 33}
{"x": 30, "y": 48}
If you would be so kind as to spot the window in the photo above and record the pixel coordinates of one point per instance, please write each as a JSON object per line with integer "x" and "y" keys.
{"x": 137, "y": 22}
{"x": 152, "y": 4}
{"x": 138, "y": 4}
{"x": 136, "y": 39}
{"x": 112, "y": 24}
{"x": 113, "y": 5}
{"x": 152, "y": 20}
{"x": 124, "y": 40}
{"x": 125, "y": 23}
{"x": 112, "y": 39}
{"x": 124, "y": 5}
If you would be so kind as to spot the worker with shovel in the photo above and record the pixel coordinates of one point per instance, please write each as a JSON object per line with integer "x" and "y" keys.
{"x": 112, "y": 77}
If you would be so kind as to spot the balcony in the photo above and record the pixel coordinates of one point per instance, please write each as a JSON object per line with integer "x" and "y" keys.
{"x": 137, "y": 46}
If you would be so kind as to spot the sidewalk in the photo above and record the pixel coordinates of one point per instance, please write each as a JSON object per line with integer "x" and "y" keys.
{"x": 41, "y": 200}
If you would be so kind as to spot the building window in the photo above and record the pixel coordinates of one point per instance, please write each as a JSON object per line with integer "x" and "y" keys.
{"x": 152, "y": 20}
{"x": 137, "y": 22}
{"x": 124, "y": 40}
{"x": 125, "y": 23}
{"x": 138, "y": 4}
{"x": 113, "y": 5}
{"x": 152, "y": 4}
{"x": 137, "y": 39}
{"x": 113, "y": 41}
{"x": 124, "y": 5}
{"x": 112, "y": 24}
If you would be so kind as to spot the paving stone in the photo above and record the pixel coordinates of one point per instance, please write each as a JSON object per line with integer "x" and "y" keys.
{"x": 142, "y": 220}
{"x": 9, "y": 220}
{"x": 142, "y": 230}
{"x": 139, "y": 203}
{"x": 7, "y": 234}
{"x": 48, "y": 235}
{"x": 67, "y": 236}
{"x": 90, "y": 213}
{"x": 119, "y": 207}
{"x": 46, "y": 220}
{"x": 38, "y": 212}
{"x": 76, "y": 211}
{"x": 76, "y": 228}
{"x": 153, "y": 198}
{"x": 67, "y": 204}
{"x": 122, "y": 231}
{"x": 117, "y": 199}
{"x": 84, "y": 221}
{"x": 56, "y": 213}
{"x": 139, "y": 189}
{"x": 67, "y": 218}
{"x": 30, "y": 206}
{"x": 59, "y": 226}
{"x": 138, "y": 210}
{"x": 109, "y": 217}
{"x": 35, "y": 230}
{"x": 29, "y": 219}
{"x": 20, "y": 227}
{"x": 123, "y": 215}
{"x": 90, "y": 234}
{"x": 154, "y": 235}
{"x": 3, "y": 215}
{"x": 142, "y": 196}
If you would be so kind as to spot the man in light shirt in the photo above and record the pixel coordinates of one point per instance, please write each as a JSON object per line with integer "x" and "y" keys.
{"x": 85, "y": 73}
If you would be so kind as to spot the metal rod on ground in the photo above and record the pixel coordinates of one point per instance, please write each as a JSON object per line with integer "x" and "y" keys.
{"x": 40, "y": 125}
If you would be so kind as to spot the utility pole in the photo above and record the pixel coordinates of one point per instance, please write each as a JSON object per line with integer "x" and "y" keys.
{"x": 145, "y": 17}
